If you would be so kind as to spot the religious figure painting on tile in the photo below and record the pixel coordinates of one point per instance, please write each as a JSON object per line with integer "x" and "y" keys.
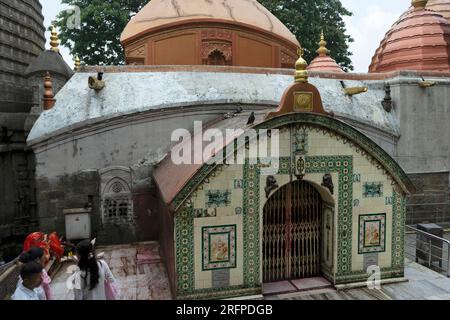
{"x": 372, "y": 233}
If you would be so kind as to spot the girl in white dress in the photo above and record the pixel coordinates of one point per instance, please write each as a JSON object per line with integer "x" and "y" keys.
{"x": 94, "y": 280}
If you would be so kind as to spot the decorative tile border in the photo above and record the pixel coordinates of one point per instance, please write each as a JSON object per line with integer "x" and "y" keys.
{"x": 372, "y": 233}
{"x": 219, "y": 247}
{"x": 184, "y": 251}
{"x": 220, "y": 293}
{"x": 398, "y": 230}
{"x": 362, "y": 276}
{"x": 252, "y": 260}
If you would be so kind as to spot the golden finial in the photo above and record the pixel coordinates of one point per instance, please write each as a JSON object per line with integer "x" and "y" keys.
{"x": 419, "y": 4}
{"x": 322, "y": 51}
{"x": 54, "y": 41}
{"x": 77, "y": 64}
{"x": 301, "y": 74}
{"x": 49, "y": 101}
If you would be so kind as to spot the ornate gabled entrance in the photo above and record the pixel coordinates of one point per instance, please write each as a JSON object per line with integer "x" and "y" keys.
{"x": 292, "y": 233}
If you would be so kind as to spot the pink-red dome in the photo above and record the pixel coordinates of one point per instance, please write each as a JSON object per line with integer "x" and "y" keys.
{"x": 419, "y": 40}
{"x": 440, "y": 6}
{"x": 323, "y": 62}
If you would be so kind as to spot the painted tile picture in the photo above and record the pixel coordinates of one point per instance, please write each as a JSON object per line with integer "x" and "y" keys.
{"x": 218, "y": 198}
{"x": 373, "y": 190}
{"x": 372, "y": 233}
{"x": 219, "y": 247}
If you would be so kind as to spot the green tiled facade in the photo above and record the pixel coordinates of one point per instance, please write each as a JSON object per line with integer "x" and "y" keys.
{"x": 326, "y": 146}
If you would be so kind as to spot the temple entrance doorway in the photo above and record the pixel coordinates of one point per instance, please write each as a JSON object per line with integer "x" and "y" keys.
{"x": 292, "y": 233}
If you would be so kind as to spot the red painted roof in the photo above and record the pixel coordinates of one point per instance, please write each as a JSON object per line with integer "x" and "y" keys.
{"x": 158, "y": 13}
{"x": 324, "y": 63}
{"x": 171, "y": 178}
{"x": 440, "y": 6}
{"x": 419, "y": 40}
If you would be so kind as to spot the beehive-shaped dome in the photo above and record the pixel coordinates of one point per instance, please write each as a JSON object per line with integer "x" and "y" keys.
{"x": 419, "y": 40}
{"x": 161, "y": 13}
{"x": 440, "y": 6}
{"x": 323, "y": 62}
{"x": 224, "y": 32}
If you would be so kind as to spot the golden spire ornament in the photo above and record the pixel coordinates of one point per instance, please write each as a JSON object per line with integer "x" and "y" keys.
{"x": 301, "y": 74}
{"x": 49, "y": 101}
{"x": 419, "y": 4}
{"x": 77, "y": 64}
{"x": 322, "y": 51}
{"x": 54, "y": 41}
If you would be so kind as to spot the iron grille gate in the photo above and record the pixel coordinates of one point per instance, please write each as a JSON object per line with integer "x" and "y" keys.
{"x": 291, "y": 234}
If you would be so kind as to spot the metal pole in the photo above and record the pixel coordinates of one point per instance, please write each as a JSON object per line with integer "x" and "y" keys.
{"x": 448, "y": 260}
{"x": 429, "y": 259}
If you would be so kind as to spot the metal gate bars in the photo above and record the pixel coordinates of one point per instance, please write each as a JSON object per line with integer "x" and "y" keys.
{"x": 291, "y": 233}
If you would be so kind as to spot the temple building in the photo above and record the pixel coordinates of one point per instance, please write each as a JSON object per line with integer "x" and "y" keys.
{"x": 417, "y": 41}
{"x": 23, "y": 63}
{"x": 354, "y": 164}
{"x": 323, "y": 62}
{"x": 228, "y": 33}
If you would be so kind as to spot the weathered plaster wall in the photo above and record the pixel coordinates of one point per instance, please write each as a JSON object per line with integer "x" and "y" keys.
{"x": 423, "y": 149}
{"x": 431, "y": 202}
{"x": 134, "y": 92}
{"x": 137, "y": 142}
{"x": 424, "y": 116}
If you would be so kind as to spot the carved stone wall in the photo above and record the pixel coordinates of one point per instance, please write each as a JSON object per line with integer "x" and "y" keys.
{"x": 198, "y": 44}
{"x": 21, "y": 41}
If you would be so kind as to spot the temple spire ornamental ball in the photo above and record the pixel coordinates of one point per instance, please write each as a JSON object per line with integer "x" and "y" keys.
{"x": 323, "y": 62}
{"x": 54, "y": 40}
{"x": 77, "y": 64}
{"x": 419, "y": 4}
{"x": 49, "y": 101}
{"x": 301, "y": 74}
{"x": 322, "y": 51}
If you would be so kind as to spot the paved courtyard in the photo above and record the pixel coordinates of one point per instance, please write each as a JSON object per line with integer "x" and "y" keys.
{"x": 421, "y": 284}
{"x": 138, "y": 269}
{"x": 141, "y": 275}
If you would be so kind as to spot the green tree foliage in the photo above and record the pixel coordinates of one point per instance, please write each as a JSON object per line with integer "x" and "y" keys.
{"x": 307, "y": 18}
{"x": 97, "y": 40}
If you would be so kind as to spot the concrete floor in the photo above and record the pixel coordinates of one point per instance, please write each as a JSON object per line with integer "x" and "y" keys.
{"x": 141, "y": 275}
{"x": 138, "y": 269}
{"x": 422, "y": 284}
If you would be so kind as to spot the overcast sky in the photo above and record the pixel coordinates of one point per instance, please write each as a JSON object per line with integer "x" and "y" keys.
{"x": 370, "y": 21}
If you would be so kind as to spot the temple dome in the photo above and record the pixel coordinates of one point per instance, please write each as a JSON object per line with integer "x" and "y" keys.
{"x": 162, "y": 13}
{"x": 440, "y": 6}
{"x": 419, "y": 40}
{"x": 323, "y": 62}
